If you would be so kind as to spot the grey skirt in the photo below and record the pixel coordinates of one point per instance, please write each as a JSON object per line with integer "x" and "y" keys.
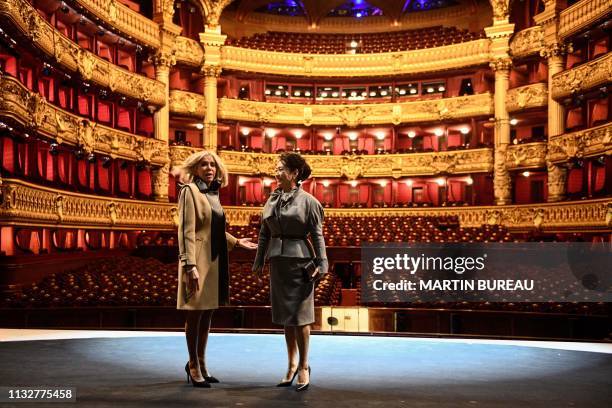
{"x": 292, "y": 298}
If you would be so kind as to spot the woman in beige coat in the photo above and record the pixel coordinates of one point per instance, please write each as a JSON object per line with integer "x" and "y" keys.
{"x": 203, "y": 273}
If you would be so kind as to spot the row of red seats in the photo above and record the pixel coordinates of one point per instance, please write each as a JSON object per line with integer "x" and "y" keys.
{"x": 361, "y": 43}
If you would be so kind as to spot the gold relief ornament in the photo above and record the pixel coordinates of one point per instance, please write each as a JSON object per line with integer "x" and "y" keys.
{"x": 37, "y": 108}
{"x": 167, "y": 7}
{"x": 494, "y": 217}
{"x": 538, "y": 217}
{"x": 501, "y": 176}
{"x": 396, "y": 116}
{"x": 262, "y": 113}
{"x": 112, "y": 11}
{"x": 609, "y": 215}
{"x": 61, "y": 50}
{"x": 501, "y": 64}
{"x": 33, "y": 23}
{"x": 351, "y": 167}
{"x": 59, "y": 208}
{"x": 209, "y": 70}
{"x": 352, "y": 115}
{"x": 160, "y": 179}
{"x": 308, "y": 64}
{"x": 567, "y": 146}
{"x": 527, "y": 41}
{"x": 444, "y": 163}
{"x": 557, "y": 177}
{"x": 174, "y": 215}
{"x": 86, "y": 63}
{"x": 527, "y": 96}
{"x": 307, "y": 116}
{"x": 86, "y": 135}
{"x": 261, "y": 164}
{"x": 112, "y": 212}
{"x": 500, "y": 9}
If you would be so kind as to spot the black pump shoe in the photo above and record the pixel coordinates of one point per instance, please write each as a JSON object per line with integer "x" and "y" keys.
{"x": 287, "y": 383}
{"x": 210, "y": 378}
{"x": 197, "y": 384}
{"x": 303, "y": 387}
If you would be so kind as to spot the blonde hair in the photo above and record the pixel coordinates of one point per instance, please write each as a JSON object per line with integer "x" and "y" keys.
{"x": 189, "y": 168}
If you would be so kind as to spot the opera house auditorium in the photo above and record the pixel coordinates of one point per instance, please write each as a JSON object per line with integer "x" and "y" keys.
{"x": 442, "y": 123}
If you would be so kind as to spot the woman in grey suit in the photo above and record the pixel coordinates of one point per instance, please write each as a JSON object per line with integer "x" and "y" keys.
{"x": 289, "y": 216}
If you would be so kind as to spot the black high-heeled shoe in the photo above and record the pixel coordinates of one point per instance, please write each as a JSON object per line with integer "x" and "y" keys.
{"x": 287, "y": 383}
{"x": 210, "y": 378}
{"x": 303, "y": 387}
{"x": 197, "y": 384}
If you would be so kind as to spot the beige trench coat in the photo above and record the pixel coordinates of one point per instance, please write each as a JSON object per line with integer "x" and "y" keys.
{"x": 194, "y": 249}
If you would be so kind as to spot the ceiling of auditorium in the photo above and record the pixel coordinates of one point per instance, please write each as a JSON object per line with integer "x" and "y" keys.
{"x": 315, "y": 10}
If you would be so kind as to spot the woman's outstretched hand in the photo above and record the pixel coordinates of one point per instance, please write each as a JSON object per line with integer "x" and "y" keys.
{"x": 246, "y": 243}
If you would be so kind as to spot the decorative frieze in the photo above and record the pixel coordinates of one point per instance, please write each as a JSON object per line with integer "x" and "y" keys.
{"x": 527, "y": 97}
{"x": 71, "y": 57}
{"x": 188, "y": 52}
{"x": 124, "y": 19}
{"x": 528, "y": 155}
{"x": 527, "y": 42}
{"x": 354, "y": 166}
{"x": 583, "y": 143}
{"x": 187, "y": 104}
{"x": 23, "y": 203}
{"x": 454, "y": 56}
{"x": 580, "y": 15}
{"x": 584, "y": 77}
{"x": 357, "y": 114}
{"x": 33, "y": 111}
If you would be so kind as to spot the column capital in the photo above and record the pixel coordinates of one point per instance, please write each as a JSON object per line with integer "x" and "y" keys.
{"x": 211, "y": 70}
{"x": 555, "y": 49}
{"x": 164, "y": 59}
{"x": 501, "y": 10}
{"x": 501, "y": 65}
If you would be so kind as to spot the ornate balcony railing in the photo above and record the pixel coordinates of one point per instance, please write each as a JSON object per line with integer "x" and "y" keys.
{"x": 525, "y": 156}
{"x": 584, "y": 77}
{"x": 73, "y": 58}
{"x": 527, "y": 97}
{"x": 583, "y": 143}
{"x": 357, "y": 114}
{"x": 33, "y": 111}
{"x": 454, "y": 56}
{"x": 580, "y": 15}
{"x": 527, "y": 42}
{"x": 354, "y": 166}
{"x": 187, "y": 104}
{"x": 23, "y": 203}
{"x": 124, "y": 19}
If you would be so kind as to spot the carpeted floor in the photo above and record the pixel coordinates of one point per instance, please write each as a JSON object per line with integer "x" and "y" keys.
{"x": 347, "y": 371}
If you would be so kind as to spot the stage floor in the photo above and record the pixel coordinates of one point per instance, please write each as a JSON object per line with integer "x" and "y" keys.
{"x": 147, "y": 369}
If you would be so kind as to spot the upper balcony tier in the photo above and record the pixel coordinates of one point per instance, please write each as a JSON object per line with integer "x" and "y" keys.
{"x": 306, "y": 43}
{"x": 24, "y": 20}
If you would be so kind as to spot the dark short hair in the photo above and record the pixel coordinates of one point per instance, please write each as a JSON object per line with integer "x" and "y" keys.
{"x": 295, "y": 161}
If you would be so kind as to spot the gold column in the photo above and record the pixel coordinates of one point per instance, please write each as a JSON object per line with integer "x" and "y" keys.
{"x": 211, "y": 74}
{"x": 502, "y": 183}
{"x": 553, "y": 50}
{"x": 500, "y": 33}
{"x": 163, "y": 61}
{"x": 212, "y": 40}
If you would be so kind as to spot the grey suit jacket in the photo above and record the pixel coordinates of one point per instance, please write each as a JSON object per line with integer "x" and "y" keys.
{"x": 285, "y": 227}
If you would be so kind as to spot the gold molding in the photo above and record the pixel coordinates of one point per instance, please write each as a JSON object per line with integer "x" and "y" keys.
{"x": 33, "y": 111}
{"x": 525, "y": 156}
{"x": 188, "y": 52}
{"x": 583, "y": 77}
{"x": 527, "y": 97}
{"x": 563, "y": 216}
{"x": 583, "y": 143}
{"x": 75, "y": 59}
{"x": 124, "y": 19}
{"x": 354, "y": 166}
{"x": 581, "y": 14}
{"x": 357, "y": 114}
{"x": 527, "y": 42}
{"x": 23, "y": 203}
{"x": 461, "y": 55}
{"x": 186, "y": 103}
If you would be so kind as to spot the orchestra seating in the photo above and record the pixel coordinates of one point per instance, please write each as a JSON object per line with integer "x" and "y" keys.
{"x": 362, "y": 43}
